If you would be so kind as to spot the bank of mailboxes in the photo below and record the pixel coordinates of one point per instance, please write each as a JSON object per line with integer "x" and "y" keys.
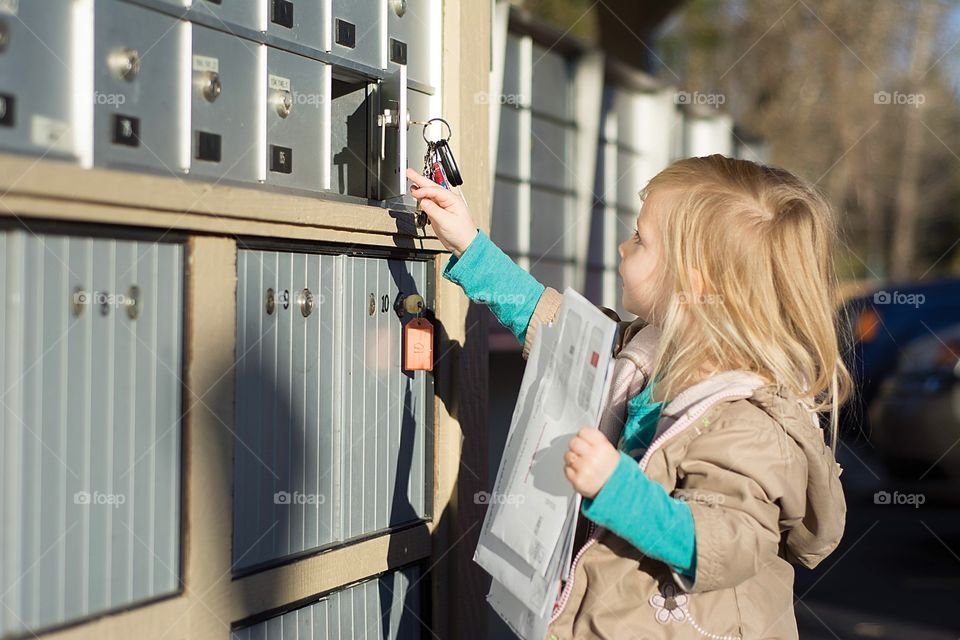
{"x": 90, "y": 365}
{"x": 244, "y": 92}
{"x": 383, "y": 608}
{"x": 333, "y": 438}
{"x": 36, "y": 113}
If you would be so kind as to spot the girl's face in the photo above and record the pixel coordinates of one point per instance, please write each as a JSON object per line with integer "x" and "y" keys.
{"x": 641, "y": 260}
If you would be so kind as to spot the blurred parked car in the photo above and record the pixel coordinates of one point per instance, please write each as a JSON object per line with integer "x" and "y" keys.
{"x": 915, "y": 416}
{"x": 881, "y": 323}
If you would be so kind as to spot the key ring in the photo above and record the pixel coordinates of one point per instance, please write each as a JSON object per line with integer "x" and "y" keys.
{"x": 432, "y": 120}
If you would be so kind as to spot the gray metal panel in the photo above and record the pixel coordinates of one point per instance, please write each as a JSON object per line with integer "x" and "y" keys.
{"x": 305, "y": 131}
{"x": 513, "y": 89}
{"x": 233, "y": 115}
{"x": 245, "y": 13}
{"x": 509, "y": 143}
{"x": 366, "y": 16}
{"x": 284, "y": 455}
{"x": 384, "y": 608}
{"x": 326, "y": 418}
{"x": 504, "y": 227}
{"x": 151, "y": 98}
{"x": 310, "y": 19}
{"x": 551, "y": 154}
{"x": 35, "y": 79}
{"x": 415, "y": 28}
{"x": 91, "y": 428}
{"x": 552, "y": 84}
{"x": 550, "y": 234}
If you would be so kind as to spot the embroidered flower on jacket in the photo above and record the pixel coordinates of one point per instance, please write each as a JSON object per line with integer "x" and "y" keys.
{"x": 669, "y": 604}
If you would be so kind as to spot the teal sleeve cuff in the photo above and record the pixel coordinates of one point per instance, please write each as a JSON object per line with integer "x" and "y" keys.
{"x": 489, "y": 276}
{"x": 641, "y": 512}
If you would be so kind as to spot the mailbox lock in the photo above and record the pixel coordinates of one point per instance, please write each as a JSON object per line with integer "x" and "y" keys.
{"x": 270, "y": 303}
{"x": 132, "y": 302}
{"x": 282, "y": 101}
{"x": 80, "y": 300}
{"x": 4, "y": 34}
{"x": 305, "y": 300}
{"x": 210, "y": 81}
{"x": 399, "y": 7}
{"x": 411, "y": 303}
{"x": 125, "y": 63}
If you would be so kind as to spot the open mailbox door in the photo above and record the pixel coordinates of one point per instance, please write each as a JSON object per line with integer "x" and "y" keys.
{"x": 391, "y": 121}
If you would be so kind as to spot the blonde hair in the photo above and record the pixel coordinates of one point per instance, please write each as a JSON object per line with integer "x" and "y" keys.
{"x": 762, "y": 240}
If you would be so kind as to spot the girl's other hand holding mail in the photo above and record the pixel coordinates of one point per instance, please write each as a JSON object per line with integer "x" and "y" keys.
{"x": 590, "y": 461}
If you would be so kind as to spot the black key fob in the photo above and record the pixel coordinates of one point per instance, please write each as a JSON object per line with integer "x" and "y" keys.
{"x": 449, "y": 164}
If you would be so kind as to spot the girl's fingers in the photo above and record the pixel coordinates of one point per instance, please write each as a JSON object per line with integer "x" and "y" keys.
{"x": 431, "y": 208}
{"x": 579, "y": 446}
{"x": 419, "y": 179}
{"x": 441, "y": 196}
{"x": 592, "y": 435}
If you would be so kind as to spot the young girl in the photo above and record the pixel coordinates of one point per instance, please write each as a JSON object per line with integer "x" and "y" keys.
{"x": 704, "y": 485}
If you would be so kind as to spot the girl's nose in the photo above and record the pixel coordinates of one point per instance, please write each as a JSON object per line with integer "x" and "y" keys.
{"x": 620, "y": 250}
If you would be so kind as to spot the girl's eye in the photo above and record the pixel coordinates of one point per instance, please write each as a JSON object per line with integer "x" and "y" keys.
{"x": 636, "y": 236}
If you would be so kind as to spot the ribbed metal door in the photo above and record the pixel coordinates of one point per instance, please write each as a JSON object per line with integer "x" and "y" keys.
{"x": 385, "y": 608}
{"x": 333, "y": 438}
{"x": 90, "y": 457}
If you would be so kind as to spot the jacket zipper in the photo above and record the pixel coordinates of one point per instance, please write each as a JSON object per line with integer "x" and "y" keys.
{"x": 656, "y": 444}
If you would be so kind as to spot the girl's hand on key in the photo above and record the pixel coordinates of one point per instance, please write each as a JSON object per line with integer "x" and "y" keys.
{"x": 447, "y": 212}
{"x": 590, "y": 461}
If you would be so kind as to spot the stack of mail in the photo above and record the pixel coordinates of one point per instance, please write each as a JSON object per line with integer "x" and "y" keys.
{"x": 527, "y": 537}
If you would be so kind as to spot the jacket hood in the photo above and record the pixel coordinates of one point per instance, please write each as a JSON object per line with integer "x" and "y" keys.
{"x": 818, "y": 532}
{"x": 813, "y": 519}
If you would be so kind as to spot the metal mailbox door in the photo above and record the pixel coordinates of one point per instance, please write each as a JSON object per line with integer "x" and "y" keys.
{"x": 224, "y": 96}
{"x": 139, "y": 64}
{"x": 286, "y": 448}
{"x": 297, "y": 121}
{"x": 413, "y": 38}
{"x": 355, "y": 31}
{"x": 36, "y": 55}
{"x": 91, "y": 367}
{"x": 300, "y": 21}
{"x": 250, "y": 14}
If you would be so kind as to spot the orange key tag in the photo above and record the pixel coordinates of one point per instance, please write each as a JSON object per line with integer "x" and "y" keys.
{"x": 418, "y": 345}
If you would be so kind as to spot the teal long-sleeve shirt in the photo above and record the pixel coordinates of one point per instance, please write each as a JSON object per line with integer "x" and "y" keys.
{"x": 631, "y": 505}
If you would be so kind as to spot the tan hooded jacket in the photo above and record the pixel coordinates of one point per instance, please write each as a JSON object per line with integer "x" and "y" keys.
{"x": 764, "y": 490}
